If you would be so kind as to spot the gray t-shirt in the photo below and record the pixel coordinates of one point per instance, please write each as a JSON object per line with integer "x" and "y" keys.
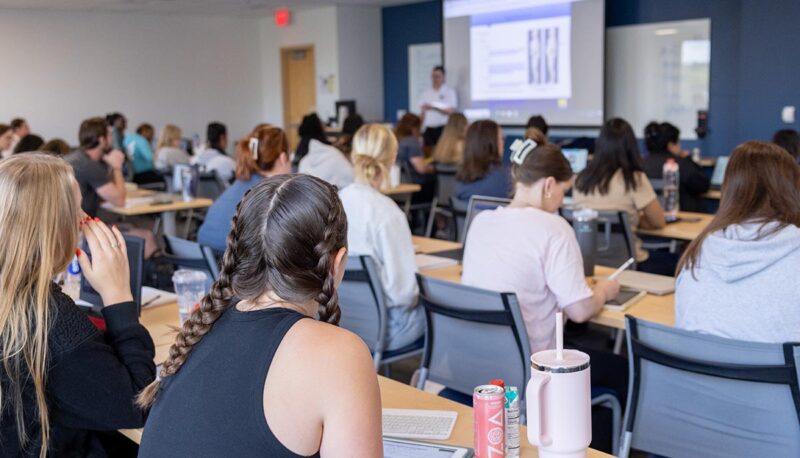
{"x": 90, "y": 175}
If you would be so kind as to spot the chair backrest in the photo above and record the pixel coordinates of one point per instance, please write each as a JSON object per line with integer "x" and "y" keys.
{"x": 362, "y": 302}
{"x": 211, "y": 260}
{"x": 135, "y": 249}
{"x": 615, "y": 240}
{"x": 695, "y": 394}
{"x": 473, "y": 336}
{"x": 478, "y": 204}
{"x": 459, "y": 209}
{"x": 210, "y": 185}
{"x": 445, "y": 182}
{"x": 188, "y": 254}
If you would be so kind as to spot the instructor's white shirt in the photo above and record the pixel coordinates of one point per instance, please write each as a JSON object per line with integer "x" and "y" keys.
{"x": 444, "y": 97}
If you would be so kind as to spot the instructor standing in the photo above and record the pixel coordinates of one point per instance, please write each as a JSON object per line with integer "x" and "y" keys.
{"x": 437, "y": 103}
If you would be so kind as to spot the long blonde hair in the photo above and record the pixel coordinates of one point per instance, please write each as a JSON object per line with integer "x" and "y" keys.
{"x": 166, "y": 138}
{"x": 450, "y": 147}
{"x": 39, "y": 217}
{"x": 374, "y": 152}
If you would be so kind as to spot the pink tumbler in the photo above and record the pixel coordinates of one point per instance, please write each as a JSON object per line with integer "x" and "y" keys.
{"x": 559, "y": 404}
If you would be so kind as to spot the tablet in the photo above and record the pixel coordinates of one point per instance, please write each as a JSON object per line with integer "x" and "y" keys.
{"x": 401, "y": 448}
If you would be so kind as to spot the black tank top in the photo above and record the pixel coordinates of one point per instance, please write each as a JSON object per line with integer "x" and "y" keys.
{"x": 213, "y": 406}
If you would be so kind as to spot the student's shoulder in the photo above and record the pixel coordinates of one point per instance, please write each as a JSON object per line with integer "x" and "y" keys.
{"x": 345, "y": 349}
{"x": 69, "y": 326}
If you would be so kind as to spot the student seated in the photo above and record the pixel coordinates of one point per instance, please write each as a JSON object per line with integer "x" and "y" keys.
{"x": 615, "y": 180}
{"x": 214, "y": 157}
{"x": 482, "y": 172}
{"x": 788, "y": 139}
{"x": 252, "y": 373}
{"x": 378, "y": 228}
{"x": 57, "y": 147}
{"x": 318, "y": 158}
{"x": 738, "y": 279}
{"x": 450, "y": 146}
{"x": 28, "y": 144}
{"x": 168, "y": 150}
{"x": 139, "y": 147}
{"x": 663, "y": 142}
{"x": 268, "y": 158}
{"x": 527, "y": 248}
{"x": 538, "y": 122}
{"x": 64, "y": 383}
{"x": 411, "y": 157}
{"x": 6, "y": 138}
{"x": 98, "y": 171}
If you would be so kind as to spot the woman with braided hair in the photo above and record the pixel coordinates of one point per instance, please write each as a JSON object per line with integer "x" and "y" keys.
{"x": 248, "y": 375}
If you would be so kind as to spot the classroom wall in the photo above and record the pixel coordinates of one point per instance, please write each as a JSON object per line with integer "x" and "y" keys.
{"x": 753, "y": 58}
{"x": 359, "y": 39}
{"x": 403, "y": 26}
{"x": 61, "y": 67}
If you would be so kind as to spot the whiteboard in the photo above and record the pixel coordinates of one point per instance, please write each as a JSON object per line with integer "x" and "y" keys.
{"x": 659, "y": 72}
{"x": 421, "y": 60}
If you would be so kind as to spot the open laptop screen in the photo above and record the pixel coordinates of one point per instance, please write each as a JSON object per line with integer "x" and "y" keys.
{"x": 577, "y": 157}
{"x": 719, "y": 171}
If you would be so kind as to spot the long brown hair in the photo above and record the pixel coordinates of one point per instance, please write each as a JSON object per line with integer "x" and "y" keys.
{"x": 450, "y": 147}
{"x": 616, "y": 149}
{"x": 272, "y": 142}
{"x": 39, "y": 215}
{"x": 761, "y": 185}
{"x": 481, "y": 151}
{"x": 284, "y": 238}
{"x": 408, "y": 126}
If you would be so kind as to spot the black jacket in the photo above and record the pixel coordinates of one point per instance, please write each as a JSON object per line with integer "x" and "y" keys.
{"x": 693, "y": 181}
{"x": 91, "y": 381}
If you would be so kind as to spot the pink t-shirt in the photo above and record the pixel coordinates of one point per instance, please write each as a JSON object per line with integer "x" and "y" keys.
{"x": 532, "y": 253}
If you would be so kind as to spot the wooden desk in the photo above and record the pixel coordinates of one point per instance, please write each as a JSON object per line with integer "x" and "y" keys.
{"x": 427, "y": 245}
{"x": 708, "y": 162}
{"x": 396, "y": 395}
{"x": 659, "y": 309}
{"x": 402, "y": 194}
{"x": 683, "y": 230}
{"x": 166, "y": 211}
{"x": 714, "y": 194}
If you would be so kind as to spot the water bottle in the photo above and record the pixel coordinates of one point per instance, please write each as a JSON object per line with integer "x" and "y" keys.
{"x": 585, "y": 223}
{"x": 671, "y": 179}
{"x": 72, "y": 279}
{"x": 696, "y": 155}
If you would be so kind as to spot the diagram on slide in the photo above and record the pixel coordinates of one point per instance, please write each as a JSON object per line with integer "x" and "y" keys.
{"x": 521, "y": 60}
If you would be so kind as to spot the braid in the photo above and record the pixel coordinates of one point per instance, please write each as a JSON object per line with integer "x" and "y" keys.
{"x": 201, "y": 320}
{"x": 328, "y": 298}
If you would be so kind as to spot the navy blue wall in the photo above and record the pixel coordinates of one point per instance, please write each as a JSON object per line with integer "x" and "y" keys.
{"x": 755, "y": 66}
{"x": 402, "y": 26}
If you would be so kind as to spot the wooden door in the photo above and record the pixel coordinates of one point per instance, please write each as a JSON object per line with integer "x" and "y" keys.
{"x": 299, "y": 88}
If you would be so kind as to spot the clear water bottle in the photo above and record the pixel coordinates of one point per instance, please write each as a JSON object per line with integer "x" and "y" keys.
{"x": 671, "y": 177}
{"x": 72, "y": 279}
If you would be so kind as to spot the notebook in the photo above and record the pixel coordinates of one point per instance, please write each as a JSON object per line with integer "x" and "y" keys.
{"x": 401, "y": 448}
{"x": 427, "y": 261}
{"x": 624, "y": 300}
{"x": 660, "y": 285}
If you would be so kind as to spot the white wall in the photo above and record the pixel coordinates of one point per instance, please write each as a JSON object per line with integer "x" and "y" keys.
{"x": 59, "y": 68}
{"x": 361, "y": 58}
{"x": 315, "y": 27}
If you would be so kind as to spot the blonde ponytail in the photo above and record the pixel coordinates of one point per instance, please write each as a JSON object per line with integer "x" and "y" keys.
{"x": 374, "y": 153}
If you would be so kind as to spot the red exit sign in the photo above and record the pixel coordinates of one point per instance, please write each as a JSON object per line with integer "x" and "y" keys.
{"x": 282, "y": 17}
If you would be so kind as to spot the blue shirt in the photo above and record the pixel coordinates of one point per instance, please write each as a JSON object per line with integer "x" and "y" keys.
{"x": 496, "y": 183}
{"x": 409, "y": 148}
{"x": 215, "y": 229}
{"x": 140, "y": 151}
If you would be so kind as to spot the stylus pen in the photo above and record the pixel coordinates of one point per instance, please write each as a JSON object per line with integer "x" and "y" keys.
{"x": 621, "y": 269}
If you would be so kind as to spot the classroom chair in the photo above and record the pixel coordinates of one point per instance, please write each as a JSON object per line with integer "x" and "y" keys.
{"x": 694, "y": 394}
{"x": 475, "y": 335}
{"x": 363, "y": 307}
{"x": 478, "y": 204}
{"x": 425, "y": 209}
{"x": 615, "y": 240}
{"x": 191, "y": 255}
{"x": 459, "y": 208}
{"x": 445, "y": 189}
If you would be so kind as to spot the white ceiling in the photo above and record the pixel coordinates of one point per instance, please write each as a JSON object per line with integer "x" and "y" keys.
{"x": 234, "y": 7}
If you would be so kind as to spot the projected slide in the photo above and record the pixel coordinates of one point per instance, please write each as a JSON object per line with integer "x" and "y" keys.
{"x": 509, "y": 59}
{"x": 521, "y": 60}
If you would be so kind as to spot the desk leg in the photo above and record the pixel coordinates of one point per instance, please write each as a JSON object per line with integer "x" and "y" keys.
{"x": 188, "y": 225}
{"x": 168, "y": 220}
{"x": 407, "y": 206}
{"x": 619, "y": 339}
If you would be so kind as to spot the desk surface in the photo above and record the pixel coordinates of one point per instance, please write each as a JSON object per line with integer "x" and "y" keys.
{"x": 659, "y": 309}
{"x": 396, "y": 395}
{"x": 177, "y": 205}
{"x": 427, "y": 245}
{"x": 714, "y": 194}
{"x": 682, "y": 230}
{"x": 402, "y": 188}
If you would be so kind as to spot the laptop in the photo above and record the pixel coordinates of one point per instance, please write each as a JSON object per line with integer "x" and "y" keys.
{"x": 577, "y": 157}
{"x": 719, "y": 172}
{"x": 135, "y": 247}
